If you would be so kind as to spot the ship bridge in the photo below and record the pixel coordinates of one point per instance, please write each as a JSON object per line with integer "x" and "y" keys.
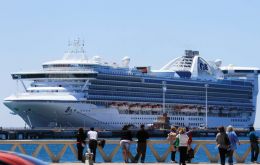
{"x": 240, "y": 71}
{"x": 191, "y": 65}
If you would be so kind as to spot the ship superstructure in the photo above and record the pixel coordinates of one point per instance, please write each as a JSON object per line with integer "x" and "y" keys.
{"x": 77, "y": 92}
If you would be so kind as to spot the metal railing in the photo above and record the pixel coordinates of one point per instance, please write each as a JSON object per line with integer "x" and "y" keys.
{"x": 43, "y": 145}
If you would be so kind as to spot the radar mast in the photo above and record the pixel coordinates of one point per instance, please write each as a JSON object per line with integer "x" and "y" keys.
{"x": 75, "y": 50}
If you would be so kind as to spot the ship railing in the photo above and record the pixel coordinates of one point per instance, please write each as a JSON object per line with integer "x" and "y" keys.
{"x": 114, "y": 148}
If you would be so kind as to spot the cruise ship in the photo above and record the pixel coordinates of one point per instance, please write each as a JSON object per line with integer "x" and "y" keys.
{"x": 77, "y": 91}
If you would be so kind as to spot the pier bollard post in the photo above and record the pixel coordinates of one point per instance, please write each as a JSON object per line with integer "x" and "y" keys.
{"x": 89, "y": 158}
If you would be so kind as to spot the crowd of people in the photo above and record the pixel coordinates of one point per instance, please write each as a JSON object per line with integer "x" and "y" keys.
{"x": 180, "y": 139}
{"x": 227, "y": 142}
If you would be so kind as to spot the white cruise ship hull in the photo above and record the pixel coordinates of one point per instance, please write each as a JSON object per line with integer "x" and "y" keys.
{"x": 80, "y": 114}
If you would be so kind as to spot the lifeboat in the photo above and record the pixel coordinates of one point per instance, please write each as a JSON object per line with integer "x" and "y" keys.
{"x": 188, "y": 110}
{"x": 233, "y": 110}
{"x": 146, "y": 107}
{"x": 134, "y": 107}
{"x": 123, "y": 106}
{"x": 202, "y": 110}
{"x": 214, "y": 111}
{"x": 114, "y": 105}
{"x": 156, "y": 107}
{"x": 192, "y": 107}
{"x": 225, "y": 111}
{"x": 177, "y": 107}
{"x": 185, "y": 110}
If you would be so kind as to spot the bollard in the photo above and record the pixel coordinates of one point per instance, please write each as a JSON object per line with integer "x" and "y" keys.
{"x": 89, "y": 157}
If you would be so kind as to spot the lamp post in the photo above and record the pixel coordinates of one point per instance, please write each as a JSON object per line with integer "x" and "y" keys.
{"x": 164, "y": 90}
{"x": 206, "y": 103}
{"x": 84, "y": 124}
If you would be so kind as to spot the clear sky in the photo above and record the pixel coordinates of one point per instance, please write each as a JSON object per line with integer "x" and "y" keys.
{"x": 151, "y": 32}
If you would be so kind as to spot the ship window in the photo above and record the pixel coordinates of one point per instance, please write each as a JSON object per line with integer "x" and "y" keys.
{"x": 53, "y": 75}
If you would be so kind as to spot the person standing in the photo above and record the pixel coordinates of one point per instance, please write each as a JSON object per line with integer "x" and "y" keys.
{"x": 232, "y": 136}
{"x": 222, "y": 144}
{"x": 172, "y": 139}
{"x": 190, "y": 153}
{"x": 81, "y": 137}
{"x": 142, "y": 136}
{"x": 126, "y": 138}
{"x": 92, "y": 136}
{"x": 254, "y": 144}
{"x": 182, "y": 140}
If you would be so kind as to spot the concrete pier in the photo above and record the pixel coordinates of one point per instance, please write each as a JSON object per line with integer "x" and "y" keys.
{"x": 160, "y": 157}
{"x": 143, "y": 163}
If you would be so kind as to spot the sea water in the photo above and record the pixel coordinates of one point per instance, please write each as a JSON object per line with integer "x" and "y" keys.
{"x": 160, "y": 148}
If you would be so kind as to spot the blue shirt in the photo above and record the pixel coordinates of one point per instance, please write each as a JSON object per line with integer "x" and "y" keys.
{"x": 233, "y": 140}
{"x": 252, "y": 136}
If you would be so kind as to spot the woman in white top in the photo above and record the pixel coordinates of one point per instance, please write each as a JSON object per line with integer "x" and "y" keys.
{"x": 182, "y": 143}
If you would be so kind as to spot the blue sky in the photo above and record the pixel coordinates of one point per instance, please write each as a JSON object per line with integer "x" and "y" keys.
{"x": 150, "y": 32}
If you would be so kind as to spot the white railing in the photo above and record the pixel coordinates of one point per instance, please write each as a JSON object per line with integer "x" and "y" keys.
{"x": 43, "y": 145}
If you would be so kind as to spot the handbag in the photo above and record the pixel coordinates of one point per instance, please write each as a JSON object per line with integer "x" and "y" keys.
{"x": 191, "y": 153}
{"x": 172, "y": 147}
{"x": 177, "y": 142}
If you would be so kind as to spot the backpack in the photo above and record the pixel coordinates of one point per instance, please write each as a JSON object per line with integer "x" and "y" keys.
{"x": 253, "y": 137}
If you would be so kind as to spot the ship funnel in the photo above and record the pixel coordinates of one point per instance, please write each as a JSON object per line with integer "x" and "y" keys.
{"x": 191, "y": 53}
{"x": 126, "y": 61}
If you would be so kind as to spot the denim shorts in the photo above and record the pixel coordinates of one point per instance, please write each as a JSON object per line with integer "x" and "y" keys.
{"x": 125, "y": 144}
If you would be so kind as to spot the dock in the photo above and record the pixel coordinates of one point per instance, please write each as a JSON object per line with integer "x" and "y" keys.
{"x": 114, "y": 148}
{"x": 70, "y": 133}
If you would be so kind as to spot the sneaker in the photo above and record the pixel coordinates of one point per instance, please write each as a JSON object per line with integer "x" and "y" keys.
{"x": 173, "y": 161}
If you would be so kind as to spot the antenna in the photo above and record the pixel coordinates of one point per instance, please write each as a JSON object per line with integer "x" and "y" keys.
{"x": 75, "y": 50}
